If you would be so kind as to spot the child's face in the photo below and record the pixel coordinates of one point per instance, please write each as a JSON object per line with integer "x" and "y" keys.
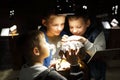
{"x": 55, "y": 24}
{"x": 78, "y": 26}
{"x": 44, "y": 50}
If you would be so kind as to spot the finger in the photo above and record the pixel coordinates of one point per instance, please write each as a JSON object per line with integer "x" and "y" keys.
{"x": 72, "y": 52}
{"x": 68, "y": 52}
{"x": 77, "y": 51}
{"x": 64, "y": 38}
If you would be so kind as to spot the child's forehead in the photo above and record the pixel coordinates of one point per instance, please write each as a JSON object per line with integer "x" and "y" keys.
{"x": 56, "y": 16}
{"x": 56, "y": 19}
{"x": 77, "y": 19}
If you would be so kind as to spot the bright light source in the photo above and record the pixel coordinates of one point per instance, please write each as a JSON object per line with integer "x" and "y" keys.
{"x": 106, "y": 25}
{"x": 12, "y": 12}
{"x": 5, "y": 32}
{"x": 115, "y": 9}
{"x": 14, "y": 27}
{"x": 114, "y": 22}
{"x": 72, "y": 42}
{"x": 84, "y": 7}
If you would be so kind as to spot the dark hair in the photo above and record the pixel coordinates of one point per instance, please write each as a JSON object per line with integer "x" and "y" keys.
{"x": 80, "y": 13}
{"x": 48, "y": 12}
{"x": 28, "y": 41}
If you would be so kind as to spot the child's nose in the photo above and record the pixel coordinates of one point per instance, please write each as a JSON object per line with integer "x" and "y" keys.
{"x": 59, "y": 28}
{"x": 74, "y": 30}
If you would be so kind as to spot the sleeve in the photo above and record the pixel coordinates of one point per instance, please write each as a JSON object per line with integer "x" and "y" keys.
{"x": 50, "y": 74}
{"x": 99, "y": 44}
{"x": 54, "y": 75}
{"x": 76, "y": 72}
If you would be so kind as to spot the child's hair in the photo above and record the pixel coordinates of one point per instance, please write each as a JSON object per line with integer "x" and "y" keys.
{"x": 28, "y": 41}
{"x": 47, "y": 13}
{"x": 80, "y": 13}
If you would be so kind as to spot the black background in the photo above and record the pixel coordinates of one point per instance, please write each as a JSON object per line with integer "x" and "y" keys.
{"x": 27, "y": 15}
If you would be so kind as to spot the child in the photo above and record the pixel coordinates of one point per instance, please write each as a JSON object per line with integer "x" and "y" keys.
{"x": 53, "y": 25}
{"x": 92, "y": 37}
{"x": 35, "y": 49}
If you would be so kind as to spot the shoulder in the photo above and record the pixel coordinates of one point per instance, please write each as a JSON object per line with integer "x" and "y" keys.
{"x": 92, "y": 32}
{"x": 54, "y": 75}
{"x": 32, "y": 71}
{"x": 50, "y": 74}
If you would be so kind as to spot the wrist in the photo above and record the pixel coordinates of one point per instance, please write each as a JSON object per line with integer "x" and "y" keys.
{"x": 84, "y": 40}
{"x": 74, "y": 63}
{"x": 75, "y": 68}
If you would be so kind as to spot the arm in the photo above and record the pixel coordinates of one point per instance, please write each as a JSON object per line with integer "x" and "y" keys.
{"x": 54, "y": 75}
{"x": 76, "y": 73}
{"x": 99, "y": 44}
{"x": 90, "y": 48}
{"x": 50, "y": 74}
{"x": 76, "y": 70}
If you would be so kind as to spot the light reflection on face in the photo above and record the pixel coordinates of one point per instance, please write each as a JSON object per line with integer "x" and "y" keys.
{"x": 44, "y": 47}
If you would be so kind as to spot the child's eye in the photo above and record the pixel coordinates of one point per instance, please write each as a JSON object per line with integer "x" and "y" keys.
{"x": 54, "y": 25}
{"x": 62, "y": 24}
{"x": 78, "y": 26}
{"x": 71, "y": 27}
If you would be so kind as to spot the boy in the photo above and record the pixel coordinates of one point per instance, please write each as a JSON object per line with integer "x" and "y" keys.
{"x": 35, "y": 49}
{"x": 53, "y": 25}
{"x": 92, "y": 37}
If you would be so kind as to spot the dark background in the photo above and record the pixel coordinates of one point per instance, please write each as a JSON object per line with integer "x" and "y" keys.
{"x": 27, "y": 13}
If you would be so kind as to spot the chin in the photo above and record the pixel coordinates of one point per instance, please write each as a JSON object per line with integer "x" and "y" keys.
{"x": 47, "y": 55}
{"x": 57, "y": 34}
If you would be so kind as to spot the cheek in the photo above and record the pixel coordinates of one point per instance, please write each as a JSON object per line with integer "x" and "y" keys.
{"x": 51, "y": 29}
{"x": 71, "y": 30}
{"x": 62, "y": 27}
{"x": 45, "y": 51}
{"x": 76, "y": 30}
{"x": 81, "y": 31}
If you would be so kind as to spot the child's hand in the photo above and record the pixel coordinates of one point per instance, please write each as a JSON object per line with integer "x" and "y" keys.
{"x": 72, "y": 57}
{"x": 73, "y": 38}
{"x": 64, "y": 38}
{"x": 77, "y": 38}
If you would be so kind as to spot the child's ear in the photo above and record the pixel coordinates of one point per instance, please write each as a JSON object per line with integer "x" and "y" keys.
{"x": 36, "y": 51}
{"x": 88, "y": 22}
{"x": 44, "y": 22}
